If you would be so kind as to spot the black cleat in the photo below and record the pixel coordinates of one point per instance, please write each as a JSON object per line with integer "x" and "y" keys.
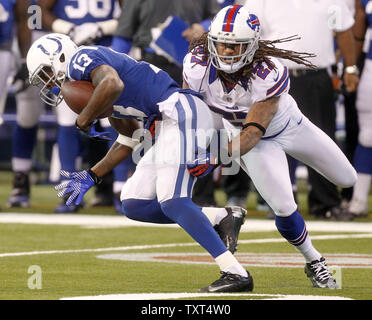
{"x": 230, "y": 283}
{"x": 229, "y": 227}
{"x": 20, "y": 195}
{"x": 319, "y": 275}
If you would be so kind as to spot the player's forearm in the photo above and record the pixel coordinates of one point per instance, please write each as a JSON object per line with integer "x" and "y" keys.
{"x": 115, "y": 155}
{"x": 256, "y": 122}
{"x": 104, "y": 96}
{"x": 346, "y": 43}
{"x": 243, "y": 143}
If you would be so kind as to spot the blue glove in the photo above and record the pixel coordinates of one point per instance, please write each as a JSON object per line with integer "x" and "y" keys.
{"x": 202, "y": 165}
{"x": 77, "y": 185}
{"x": 93, "y": 134}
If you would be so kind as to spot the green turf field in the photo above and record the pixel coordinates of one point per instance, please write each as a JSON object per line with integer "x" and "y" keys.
{"x": 47, "y": 260}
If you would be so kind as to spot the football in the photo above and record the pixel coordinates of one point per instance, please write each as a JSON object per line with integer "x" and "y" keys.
{"x": 77, "y": 94}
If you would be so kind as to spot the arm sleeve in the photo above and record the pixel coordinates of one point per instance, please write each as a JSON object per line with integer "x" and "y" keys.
{"x": 193, "y": 72}
{"x": 270, "y": 82}
{"x": 128, "y": 20}
{"x": 340, "y": 16}
{"x": 121, "y": 44}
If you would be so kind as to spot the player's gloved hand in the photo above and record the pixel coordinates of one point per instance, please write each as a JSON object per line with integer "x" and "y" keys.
{"x": 93, "y": 134}
{"x": 20, "y": 80}
{"x": 203, "y": 165}
{"x": 150, "y": 124}
{"x": 77, "y": 185}
{"x": 85, "y": 33}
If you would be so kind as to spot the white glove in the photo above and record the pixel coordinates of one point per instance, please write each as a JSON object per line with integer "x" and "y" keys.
{"x": 85, "y": 33}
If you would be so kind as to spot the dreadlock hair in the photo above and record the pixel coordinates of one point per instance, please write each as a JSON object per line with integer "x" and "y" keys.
{"x": 266, "y": 49}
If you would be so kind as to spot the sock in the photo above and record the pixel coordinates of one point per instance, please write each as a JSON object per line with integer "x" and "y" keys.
{"x": 361, "y": 188}
{"x": 145, "y": 211}
{"x": 21, "y": 165}
{"x": 214, "y": 215}
{"x": 23, "y": 142}
{"x": 228, "y": 263}
{"x": 293, "y": 229}
{"x": 363, "y": 159}
{"x": 68, "y": 147}
{"x": 195, "y": 223}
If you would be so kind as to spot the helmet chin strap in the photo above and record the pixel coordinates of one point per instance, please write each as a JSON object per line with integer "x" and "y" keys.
{"x": 230, "y": 68}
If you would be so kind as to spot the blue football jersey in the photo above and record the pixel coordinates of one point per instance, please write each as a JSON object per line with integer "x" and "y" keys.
{"x": 6, "y": 20}
{"x": 83, "y": 11}
{"x": 367, "y": 4}
{"x": 144, "y": 84}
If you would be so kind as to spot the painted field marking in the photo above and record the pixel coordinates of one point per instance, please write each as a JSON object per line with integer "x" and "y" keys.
{"x": 252, "y": 259}
{"x": 187, "y": 295}
{"x": 95, "y": 221}
{"x": 169, "y": 245}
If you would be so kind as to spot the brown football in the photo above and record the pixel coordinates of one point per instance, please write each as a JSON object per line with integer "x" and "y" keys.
{"x": 77, "y": 94}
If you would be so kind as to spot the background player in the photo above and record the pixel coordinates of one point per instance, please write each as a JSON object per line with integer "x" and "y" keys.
{"x": 363, "y": 153}
{"x": 13, "y": 14}
{"x": 240, "y": 77}
{"x": 140, "y": 90}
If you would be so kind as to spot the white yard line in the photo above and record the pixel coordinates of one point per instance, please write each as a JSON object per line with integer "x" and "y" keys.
{"x": 169, "y": 245}
{"x": 187, "y": 295}
{"x": 96, "y": 221}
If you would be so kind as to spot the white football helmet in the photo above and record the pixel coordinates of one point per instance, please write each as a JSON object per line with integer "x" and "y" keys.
{"x": 234, "y": 25}
{"x": 47, "y": 62}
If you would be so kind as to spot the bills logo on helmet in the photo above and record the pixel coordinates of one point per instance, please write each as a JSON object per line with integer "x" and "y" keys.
{"x": 253, "y": 22}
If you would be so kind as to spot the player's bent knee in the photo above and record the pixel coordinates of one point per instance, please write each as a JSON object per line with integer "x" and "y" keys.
{"x": 283, "y": 208}
{"x": 348, "y": 178}
{"x": 131, "y": 208}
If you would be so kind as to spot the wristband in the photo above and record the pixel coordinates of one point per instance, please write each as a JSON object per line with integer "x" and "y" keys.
{"x": 255, "y": 124}
{"x": 127, "y": 141}
{"x": 96, "y": 179}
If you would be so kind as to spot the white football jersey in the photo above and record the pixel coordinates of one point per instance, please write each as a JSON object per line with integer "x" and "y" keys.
{"x": 234, "y": 104}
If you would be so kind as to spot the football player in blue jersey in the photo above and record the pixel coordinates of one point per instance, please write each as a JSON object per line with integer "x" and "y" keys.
{"x": 160, "y": 189}
{"x": 87, "y": 21}
{"x": 13, "y": 13}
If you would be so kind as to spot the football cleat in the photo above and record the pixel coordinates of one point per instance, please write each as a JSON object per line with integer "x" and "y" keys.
{"x": 229, "y": 227}
{"x": 358, "y": 208}
{"x": 319, "y": 275}
{"x": 230, "y": 282}
{"x": 20, "y": 195}
{"x": 64, "y": 208}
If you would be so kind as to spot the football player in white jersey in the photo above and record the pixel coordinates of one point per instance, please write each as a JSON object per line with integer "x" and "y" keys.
{"x": 363, "y": 153}
{"x": 244, "y": 81}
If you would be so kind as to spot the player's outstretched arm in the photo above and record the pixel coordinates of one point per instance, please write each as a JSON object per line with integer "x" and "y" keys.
{"x": 122, "y": 147}
{"x": 107, "y": 89}
{"x": 255, "y": 125}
